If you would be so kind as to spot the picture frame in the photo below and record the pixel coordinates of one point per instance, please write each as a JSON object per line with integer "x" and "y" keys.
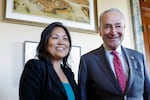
{"x": 29, "y": 52}
{"x": 77, "y": 17}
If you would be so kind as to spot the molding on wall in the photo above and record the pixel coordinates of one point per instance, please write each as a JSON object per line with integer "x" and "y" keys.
{"x": 137, "y": 25}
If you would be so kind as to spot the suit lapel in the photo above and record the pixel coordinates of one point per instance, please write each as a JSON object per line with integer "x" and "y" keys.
{"x": 105, "y": 66}
{"x": 132, "y": 66}
{"x": 56, "y": 79}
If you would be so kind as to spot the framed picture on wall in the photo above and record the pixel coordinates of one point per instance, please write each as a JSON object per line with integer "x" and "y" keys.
{"x": 78, "y": 15}
{"x": 74, "y": 57}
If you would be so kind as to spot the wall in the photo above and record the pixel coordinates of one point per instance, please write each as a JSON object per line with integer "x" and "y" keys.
{"x": 12, "y": 37}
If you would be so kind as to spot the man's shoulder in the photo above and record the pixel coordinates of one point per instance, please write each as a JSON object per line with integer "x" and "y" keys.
{"x": 92, "y": 52}
{"x": 132, "y": 51}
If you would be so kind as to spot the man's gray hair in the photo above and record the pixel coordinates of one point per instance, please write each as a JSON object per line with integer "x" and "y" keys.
{"x": 110, "y": 10}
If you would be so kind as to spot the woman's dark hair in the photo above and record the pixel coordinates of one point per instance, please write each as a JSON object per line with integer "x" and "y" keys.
{"x": 42, "y": 48}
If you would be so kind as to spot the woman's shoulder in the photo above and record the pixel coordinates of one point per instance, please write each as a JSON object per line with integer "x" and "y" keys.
{"x": 35, "y": 61}
{"x": 35, "y": 64}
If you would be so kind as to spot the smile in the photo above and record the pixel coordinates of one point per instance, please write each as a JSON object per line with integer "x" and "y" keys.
{"x": 60, "y": 49}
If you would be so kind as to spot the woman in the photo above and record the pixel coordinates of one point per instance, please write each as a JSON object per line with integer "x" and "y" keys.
{"x": 49, "y": 77}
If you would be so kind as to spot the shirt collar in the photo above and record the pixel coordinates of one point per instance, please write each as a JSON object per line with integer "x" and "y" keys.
{"x": 107, "y": 50}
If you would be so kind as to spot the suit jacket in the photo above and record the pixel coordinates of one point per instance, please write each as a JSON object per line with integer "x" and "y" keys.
{"x": 39, "y": 81}
{"x": 97, "y": 81}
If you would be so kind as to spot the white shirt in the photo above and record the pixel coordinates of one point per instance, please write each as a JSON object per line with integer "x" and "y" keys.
{"x": 122, "y": 58}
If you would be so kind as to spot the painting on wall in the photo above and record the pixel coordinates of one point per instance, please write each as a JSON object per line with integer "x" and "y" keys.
{"x": 73, "y": 60}
{"x": 78, "y": 15}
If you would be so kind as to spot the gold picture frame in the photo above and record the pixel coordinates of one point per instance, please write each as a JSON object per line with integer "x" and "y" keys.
{"x": 78, "y": 16}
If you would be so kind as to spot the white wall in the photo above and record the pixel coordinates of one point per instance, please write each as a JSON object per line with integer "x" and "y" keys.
{"x": 12, "y": 37}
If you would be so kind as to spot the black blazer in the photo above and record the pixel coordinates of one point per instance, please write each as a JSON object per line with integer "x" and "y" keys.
{"x": 39, "y": 81}
{"x": 97, "y": 80}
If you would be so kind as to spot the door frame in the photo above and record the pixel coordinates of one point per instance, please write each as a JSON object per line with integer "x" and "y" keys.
{"x": 137, "y": 25}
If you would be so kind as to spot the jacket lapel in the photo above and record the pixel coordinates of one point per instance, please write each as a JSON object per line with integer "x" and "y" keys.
{"x": 132, "y": 66}
{"x": 70, "y": 77}
{"x": 105, "y": 66}
{"x": 56, "y": 79}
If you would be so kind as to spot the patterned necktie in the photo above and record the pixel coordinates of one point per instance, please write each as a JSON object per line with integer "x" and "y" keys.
{"x": 119, "y": 71}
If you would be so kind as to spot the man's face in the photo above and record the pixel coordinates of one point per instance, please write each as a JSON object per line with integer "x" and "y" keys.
{"x": 112, "y": 29}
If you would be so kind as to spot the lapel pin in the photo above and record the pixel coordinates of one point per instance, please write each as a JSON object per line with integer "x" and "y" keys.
{"x": 132, "y": 57}
{"x": 135, "y": 64}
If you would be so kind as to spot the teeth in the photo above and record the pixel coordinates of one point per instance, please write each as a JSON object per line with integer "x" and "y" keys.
{"x": 60, "y": 48}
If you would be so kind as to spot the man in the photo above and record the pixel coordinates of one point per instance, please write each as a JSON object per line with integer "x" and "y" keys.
{"x": 98, "y": 74}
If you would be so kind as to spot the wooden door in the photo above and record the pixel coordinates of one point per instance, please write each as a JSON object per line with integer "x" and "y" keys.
{"x": 145, "y": 15}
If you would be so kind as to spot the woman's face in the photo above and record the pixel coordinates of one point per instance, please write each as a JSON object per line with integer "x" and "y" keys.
{"x": 58, "y": 44}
